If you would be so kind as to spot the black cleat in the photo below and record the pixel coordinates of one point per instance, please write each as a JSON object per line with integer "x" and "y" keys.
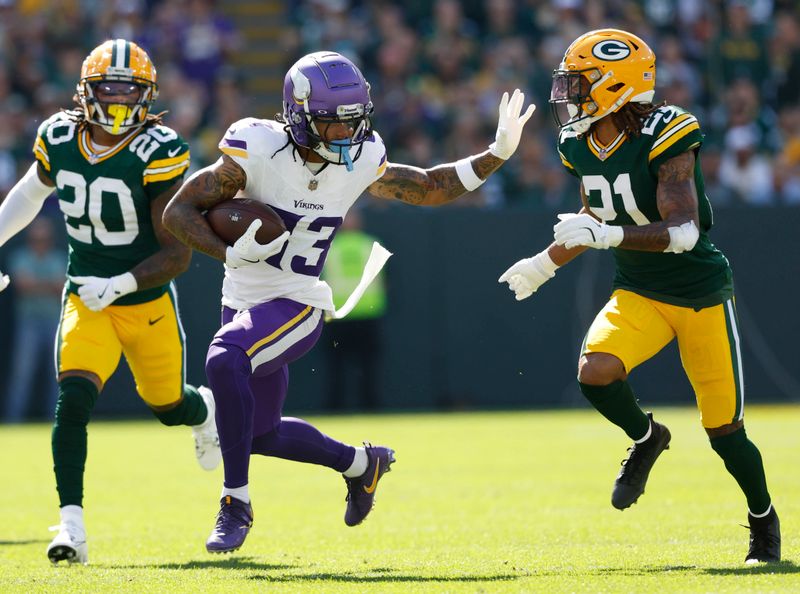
{"x": 765, "y": 539}
{"x": 636, "y": 467}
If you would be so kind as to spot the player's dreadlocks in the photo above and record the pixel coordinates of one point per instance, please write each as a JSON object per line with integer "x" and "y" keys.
{"x": 631, "y": 117}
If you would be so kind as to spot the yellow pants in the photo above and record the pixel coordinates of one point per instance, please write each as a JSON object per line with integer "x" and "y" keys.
{"x": 149, "y": 334}
{"x": 634, "y": 328}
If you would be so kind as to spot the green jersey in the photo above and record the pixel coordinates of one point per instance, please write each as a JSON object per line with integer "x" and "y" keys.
{"x": 620, "y": 182}
{"x": 106, "y": 195}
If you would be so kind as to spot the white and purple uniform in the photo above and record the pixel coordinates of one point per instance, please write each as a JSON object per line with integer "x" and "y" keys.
{"x": 273, "y": 311}
{"x": 280, "y": 179}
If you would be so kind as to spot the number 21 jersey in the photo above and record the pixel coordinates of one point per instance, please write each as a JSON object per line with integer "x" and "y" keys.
{"x": 620, "y": 182}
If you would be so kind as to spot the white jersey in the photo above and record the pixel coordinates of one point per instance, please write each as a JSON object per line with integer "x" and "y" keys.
{"x": 311, "y": 205}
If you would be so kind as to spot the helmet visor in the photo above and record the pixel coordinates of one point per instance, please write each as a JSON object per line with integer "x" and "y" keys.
{"x": 571, "y": 89}
{"x": 117, "y": 92}
{"x": 570, "y": 86}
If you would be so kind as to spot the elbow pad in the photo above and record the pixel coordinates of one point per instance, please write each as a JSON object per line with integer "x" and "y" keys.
{"x": 683, "y": 238}
{"x": 22, "y": 204}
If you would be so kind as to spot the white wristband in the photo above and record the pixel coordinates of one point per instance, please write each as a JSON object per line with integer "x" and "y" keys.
{"x": 682, "y": 238}
{"x": 546, "y": 263}
{"x": 466, "y": 174}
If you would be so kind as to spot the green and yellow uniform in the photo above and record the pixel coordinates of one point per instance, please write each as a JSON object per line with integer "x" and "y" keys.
{"x": 106, "y": 197}
{"x": 659, "y": 296}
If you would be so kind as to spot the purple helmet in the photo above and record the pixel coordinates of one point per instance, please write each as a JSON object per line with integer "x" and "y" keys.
{"x": 327, "y": 87}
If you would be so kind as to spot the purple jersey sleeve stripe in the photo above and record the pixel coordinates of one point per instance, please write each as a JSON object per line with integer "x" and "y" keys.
{"x": 233, "y": 143}
{"x": 383, "y": 160}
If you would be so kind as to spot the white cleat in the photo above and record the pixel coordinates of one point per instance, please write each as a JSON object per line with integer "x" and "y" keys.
{"x": 69, "y": 544}
{"x": 206, "y": 440}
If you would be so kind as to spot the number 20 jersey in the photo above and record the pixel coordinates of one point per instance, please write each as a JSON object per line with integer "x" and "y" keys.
{"x": 106, "y": 197}
{"x": 311, "y": 205}
{"x": 620, "y": 182}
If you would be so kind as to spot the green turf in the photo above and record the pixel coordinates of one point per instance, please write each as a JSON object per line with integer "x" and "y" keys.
{"x": 497, "y": 502}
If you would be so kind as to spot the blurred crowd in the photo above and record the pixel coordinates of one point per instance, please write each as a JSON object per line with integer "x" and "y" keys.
{"x": 437, "y": 68}
{"x": 43, "y": 44}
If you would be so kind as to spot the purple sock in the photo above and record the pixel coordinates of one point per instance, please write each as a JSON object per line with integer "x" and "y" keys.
{"x": 228, "y": 372}
{"x": 294, "y": 439}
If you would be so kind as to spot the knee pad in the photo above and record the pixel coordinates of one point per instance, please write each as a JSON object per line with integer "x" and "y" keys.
{"x": 224, "y": 359}
{"x": 76, "y": 398}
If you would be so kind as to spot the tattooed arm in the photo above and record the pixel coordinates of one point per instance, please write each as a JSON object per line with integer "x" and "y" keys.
{"x": 430, "y": 187}
{"x": 677, "y": 232}
{"x": 183, "y": 216}
{"x": 168, "y": 262}
{"x": 676, "y": 197}
{"x": 444, "y": 183}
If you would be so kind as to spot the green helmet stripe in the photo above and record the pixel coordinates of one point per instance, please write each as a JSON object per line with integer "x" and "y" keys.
{"x": 121, "y": 54}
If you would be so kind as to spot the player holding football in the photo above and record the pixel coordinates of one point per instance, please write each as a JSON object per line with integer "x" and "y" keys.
{"x": 310, "y": 165}
{"x": 114, "y": 168}
{"x": 643, "y": 197}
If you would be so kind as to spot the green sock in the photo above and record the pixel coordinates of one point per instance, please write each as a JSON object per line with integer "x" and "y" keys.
{"x": 617, "y": 403}
{"x": 191, "y": 410}
{"x": 76, "y": 399}
{"x": 743, "y": 460}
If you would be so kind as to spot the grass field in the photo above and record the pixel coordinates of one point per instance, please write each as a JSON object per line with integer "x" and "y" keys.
{"x": 497, "y": 502}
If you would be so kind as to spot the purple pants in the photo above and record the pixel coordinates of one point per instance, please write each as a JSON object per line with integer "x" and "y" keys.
{"x": 247, "y": 369}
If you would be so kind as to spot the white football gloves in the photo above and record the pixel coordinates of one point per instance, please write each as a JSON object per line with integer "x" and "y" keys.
{"x": 4, "y": 281}
{"x": 98, "y": 293}
{"x": 510, "y": 124}
{"x": 247, "y": 250}
{"x": 583, "y": 229}
{"x": 526, "y": 276}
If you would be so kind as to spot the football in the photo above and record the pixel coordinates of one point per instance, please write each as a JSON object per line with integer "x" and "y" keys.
{"x": 230, "y": 218}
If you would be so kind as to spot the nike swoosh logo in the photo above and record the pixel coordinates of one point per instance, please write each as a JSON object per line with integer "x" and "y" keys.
{"x": 100, "y": 295}
{"x": 374, "y": 484}
{"x": 174, "y": 151}
{"x": 156, "y": 320}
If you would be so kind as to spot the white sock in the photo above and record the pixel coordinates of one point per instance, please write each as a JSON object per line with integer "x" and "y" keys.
{"x": 241, "y": 493}
{"x": 359, "y": 465}
{"x": 72, "y": 514}
{"x": 646, "y": 435}
{"x": 765, "y": 514}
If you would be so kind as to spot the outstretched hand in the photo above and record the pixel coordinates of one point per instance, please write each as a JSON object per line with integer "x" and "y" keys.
{"x": 526, "y": 276}
{"x": 510, "y": 124}
{"x": 247, "y": 250}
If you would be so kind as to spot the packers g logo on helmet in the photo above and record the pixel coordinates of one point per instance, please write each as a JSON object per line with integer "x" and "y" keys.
{"x": 117, "y": 61}
{"x": 601, "y": 71}
{"x": 611, "y": 50}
